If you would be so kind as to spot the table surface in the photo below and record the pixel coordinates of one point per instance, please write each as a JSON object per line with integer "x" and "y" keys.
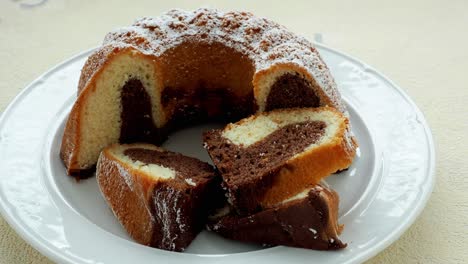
{"x": 420, "y": 45}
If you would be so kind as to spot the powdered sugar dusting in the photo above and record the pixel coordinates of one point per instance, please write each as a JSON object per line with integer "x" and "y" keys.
{"x": 163, "y": 215}
{"x": 169, "y": 215}
{"x": 130, "y": 181}
{"x": 189, "y": 181}
{"x": 265, "y": 42}
{"x": 123, "y": 172}
{"x": 120, "y": 191}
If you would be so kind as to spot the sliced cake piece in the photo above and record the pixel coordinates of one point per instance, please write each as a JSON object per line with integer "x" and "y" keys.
{"x": 270, "y": 156}
{"x": 307, "y": 220}
{"x": 160, "y": 197}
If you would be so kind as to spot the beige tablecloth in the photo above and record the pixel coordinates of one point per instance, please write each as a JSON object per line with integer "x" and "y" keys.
{"x": 421, "y": 45}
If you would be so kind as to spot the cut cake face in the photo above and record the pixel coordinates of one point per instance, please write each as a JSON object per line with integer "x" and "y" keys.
{"x": 268, "y": 157}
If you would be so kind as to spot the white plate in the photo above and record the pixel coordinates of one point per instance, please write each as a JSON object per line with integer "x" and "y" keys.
{"x": 381, "y": 194}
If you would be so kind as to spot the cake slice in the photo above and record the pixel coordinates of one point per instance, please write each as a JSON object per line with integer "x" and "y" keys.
{"x": 307, "y": 220}
{"x": 161, "y": 198}
{"x": 268, "y": 157}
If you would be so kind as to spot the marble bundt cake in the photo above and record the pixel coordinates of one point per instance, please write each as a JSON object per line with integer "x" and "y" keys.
{"x": 307, "y": 220}
{"x": 165, "y": 72}
{"x": 161, "y": 198}
{"x": 270, "y": 156}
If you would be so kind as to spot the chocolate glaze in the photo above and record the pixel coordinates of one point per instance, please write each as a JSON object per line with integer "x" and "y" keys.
{"x": 289, "y": 91}
{"x": 137, "y": 122}
{"x": 303, "y": 223}
{"x": 180, "y": 209}
{"x": 248, "y": 172}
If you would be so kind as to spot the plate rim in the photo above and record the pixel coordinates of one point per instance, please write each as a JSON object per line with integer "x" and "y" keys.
{"x": 419, "y": 204}
{"x": 422, "y": 202}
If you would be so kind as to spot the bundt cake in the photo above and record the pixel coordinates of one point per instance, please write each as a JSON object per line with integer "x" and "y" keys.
{"x": 160, "y": 197}
{"x": 270, "y": 156}
{"x": 165, "y": 72}
{"x": 307, "y": 220}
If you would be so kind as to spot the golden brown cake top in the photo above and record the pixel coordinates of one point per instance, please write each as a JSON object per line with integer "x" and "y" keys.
{"x": 265, "y": 42}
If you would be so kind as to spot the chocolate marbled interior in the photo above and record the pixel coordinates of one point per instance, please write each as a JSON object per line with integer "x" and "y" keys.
{"x": 199, "y": 104}
{"x": 136, "y": 118}
{"x": 247, "y": 172}
{"x": 185, "y": 167}
{"x": 289, "y": 91}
